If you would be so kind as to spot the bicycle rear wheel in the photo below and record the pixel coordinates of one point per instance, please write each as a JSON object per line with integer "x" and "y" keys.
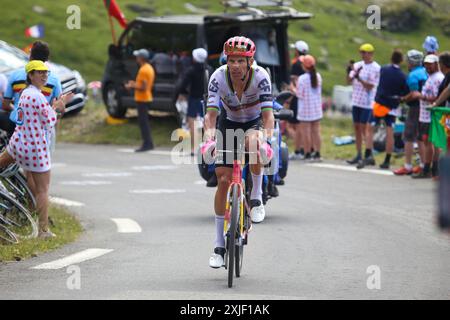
{"x": 239, "y": 249}
{"x": 17, "y": 217}
{"x": 232, "y": 234}
{"x": 6, "y": 236}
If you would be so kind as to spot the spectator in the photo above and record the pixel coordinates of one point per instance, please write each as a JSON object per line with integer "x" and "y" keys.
{"x": 53, "y": 94}
{"x": 3, "y": 85}
{"x": 430, "y": 45}
{"x": 364, "y": 78}
{"x": 29, "y": 145}
{"x": 184, "y": 62}
{"x": 293, "y": 125}
{"x": 192, "y": 84}
{"x": 444, "y": 88}
{"x": 416, "y": 79}
{"x": 143, "y": 96}
{"x": 309, "y": 94}
{"x": 17, "y": 82}
{"x": 392, "y": 85}
{"x": 428, "y": 95}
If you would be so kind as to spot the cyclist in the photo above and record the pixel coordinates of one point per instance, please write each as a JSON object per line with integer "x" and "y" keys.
{"x": 246, "y": 95}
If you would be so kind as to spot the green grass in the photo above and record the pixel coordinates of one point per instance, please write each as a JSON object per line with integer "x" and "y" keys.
{"x": 342, "y": 126}
{"x": 335, "y": 25}
{"x": 90, "y": 126}
{"x": 66, "y": 227}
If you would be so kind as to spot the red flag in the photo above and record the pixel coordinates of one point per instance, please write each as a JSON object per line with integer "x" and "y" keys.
{"x": 114, "y": 10}
{"x": 27, "y": 49}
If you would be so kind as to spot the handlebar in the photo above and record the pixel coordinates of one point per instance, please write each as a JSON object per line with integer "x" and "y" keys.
{"x": 283, "y": 114}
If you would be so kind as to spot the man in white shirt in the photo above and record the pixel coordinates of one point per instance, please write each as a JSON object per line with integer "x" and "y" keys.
{"x": 364, "y": 78}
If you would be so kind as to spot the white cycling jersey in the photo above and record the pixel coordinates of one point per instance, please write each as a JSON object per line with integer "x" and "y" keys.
{"x": 257, "y": 96}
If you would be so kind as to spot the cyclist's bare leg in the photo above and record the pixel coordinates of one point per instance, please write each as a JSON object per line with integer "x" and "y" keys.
{"x": 253, "y": 138}
{"x": 224, "y": 175}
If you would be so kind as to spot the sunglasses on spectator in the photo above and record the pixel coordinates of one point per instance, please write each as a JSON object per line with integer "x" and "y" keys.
{"x": 42, "y": 72}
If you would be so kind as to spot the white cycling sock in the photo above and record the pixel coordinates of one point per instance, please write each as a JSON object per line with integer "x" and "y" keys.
{"x": 257, "y": 187}
{"x": 220, "y": 240}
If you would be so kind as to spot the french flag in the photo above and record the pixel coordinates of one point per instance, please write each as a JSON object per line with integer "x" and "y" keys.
{"x": 36, "y": 31}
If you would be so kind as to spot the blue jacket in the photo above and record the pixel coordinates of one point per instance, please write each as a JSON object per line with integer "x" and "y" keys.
{"x": 416, "y": 79}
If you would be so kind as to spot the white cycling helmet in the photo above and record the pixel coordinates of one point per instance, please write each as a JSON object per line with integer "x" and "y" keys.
{"x": 301, "y": 46}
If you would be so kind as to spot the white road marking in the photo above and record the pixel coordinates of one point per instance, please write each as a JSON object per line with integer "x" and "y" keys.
{"x": 157, "y": 191}
{"x": 125, "y": 225}
{"x": 107, "y": 174}
{"x": 65, "y": 202}
{"x": 347, "y": 168}
{"x": 126, "y": 150}
{"x": 152, "y": 168}
{"x": 86, "y": 183}
{"x": 157, "y": 152}
{"x": 163, "y": 153}
{"x": 76, "y": 258}
{"x": 200, "y": 182}
{"x": 58, "y": 165}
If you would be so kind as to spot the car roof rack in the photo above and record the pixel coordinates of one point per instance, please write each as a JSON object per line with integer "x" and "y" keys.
{"x": 244, "y": 4}
{"x": 253, "y": 6}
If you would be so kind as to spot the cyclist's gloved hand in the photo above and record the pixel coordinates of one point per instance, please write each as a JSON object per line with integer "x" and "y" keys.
{"x": 266, "y": 152}
{"x": 207, "y": 148}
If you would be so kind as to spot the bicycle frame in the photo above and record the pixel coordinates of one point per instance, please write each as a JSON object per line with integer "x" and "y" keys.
{"x": 236, "y": 181}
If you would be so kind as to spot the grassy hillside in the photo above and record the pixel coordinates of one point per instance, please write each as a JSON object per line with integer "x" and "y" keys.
{"x": 333, "y": 34}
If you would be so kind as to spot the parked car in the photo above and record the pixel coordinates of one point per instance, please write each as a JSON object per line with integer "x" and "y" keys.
{"x": 172, "y": 38}
{"x": 12, "y": 58}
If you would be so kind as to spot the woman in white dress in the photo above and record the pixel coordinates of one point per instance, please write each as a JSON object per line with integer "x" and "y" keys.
{"x": 309, "y": 94}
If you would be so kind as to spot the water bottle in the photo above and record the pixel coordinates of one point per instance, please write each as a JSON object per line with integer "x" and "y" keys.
{"x": 339, "y": 141}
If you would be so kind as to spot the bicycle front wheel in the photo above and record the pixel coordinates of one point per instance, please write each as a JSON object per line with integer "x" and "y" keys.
{"x": 17, "y": 184}
{"x": 233, "y": 234}
{"x": 17, "y": 217}
{"x": 239, "y": 256}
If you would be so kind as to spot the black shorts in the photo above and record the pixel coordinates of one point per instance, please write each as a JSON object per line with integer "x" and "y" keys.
{"x": 225, "y": 159}
{"x": 424, "y": 129}
{"x": 412, "y": 124}
{"x": 294, "y": 107}
{"x": 388, "y": 119}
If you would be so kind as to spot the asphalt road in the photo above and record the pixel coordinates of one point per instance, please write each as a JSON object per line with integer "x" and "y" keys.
{"x": 332, "y": 234}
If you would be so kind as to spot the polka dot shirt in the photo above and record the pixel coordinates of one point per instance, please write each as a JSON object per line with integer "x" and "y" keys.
{"x": 29, "y": 145}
